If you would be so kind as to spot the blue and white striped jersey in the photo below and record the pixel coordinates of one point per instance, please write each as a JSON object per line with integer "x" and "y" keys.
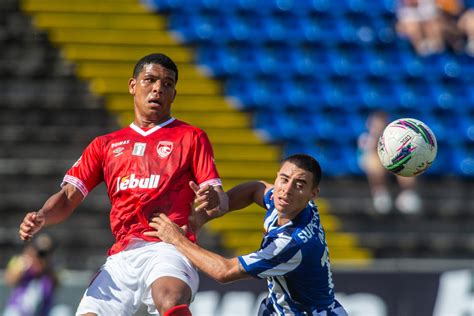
{"x": 295, "y": 260}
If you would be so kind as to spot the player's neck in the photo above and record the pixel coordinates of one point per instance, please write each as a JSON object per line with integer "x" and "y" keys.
{"x": 282, "y": 221}
{"x": 144, "y": 123}
{"x": 284, "y": 218}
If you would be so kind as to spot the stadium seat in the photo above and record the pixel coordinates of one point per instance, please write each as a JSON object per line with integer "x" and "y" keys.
{"x": 324, "y": 57}
{"x": 334, "y": 160}
{"x": 306, "y": 95}
{"x": 270, "y": 125}
{"x": 452, "y": 95}
{"x": 383, "y": 61}
{"x": 313, "y": 59}
{"x": 416, "y": 95}
{"x": 246, "y": 92}
{"x": 379, "y": 93}
{"x": 275, "y": 59}
{"x": 248, "y": 25}
{"x": 321, "y": 28}
{"x": 200, "y": 26}
{"x": 283, "y": 27}
{"x": 343, "y": 94}
{"x": 349, "y": 60}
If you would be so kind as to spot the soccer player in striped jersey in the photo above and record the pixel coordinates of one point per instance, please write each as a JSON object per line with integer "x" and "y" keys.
{"x": 146, "y": 166}
{"x": 293, "y": 256}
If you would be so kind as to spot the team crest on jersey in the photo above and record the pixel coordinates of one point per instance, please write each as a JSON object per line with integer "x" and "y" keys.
{"x": 164, "y": 148}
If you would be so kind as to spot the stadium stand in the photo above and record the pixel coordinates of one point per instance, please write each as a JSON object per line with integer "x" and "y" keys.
{"x": 100, "y": 45}
{"x": 292, "y": 68}
{"x": 47, "y": 116}
{"x": 310, "y": 72}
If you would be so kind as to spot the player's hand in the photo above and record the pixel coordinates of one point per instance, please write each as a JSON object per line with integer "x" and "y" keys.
{"x": 165, "y": 229}
{"x": 207, "y": 198}
{"x": 31, "y": 224}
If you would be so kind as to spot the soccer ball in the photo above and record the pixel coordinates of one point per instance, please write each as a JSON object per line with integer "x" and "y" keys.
{"x": 407, "y": 147}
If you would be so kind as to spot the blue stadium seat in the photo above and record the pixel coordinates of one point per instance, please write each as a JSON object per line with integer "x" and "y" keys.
{"x": 275, "y": 59}
{"x": 284, "y": 27}
{"x": 374, "y": 8}
{"x": 253, "y": 95}
{"x": 230, "y": 59}
{"x": 162, "y": 5}
{"x": 269, "y": 125}
{"x": 358, "y": 27}
{"x": 317, "y": 68}
{"x": 248, "y": 25}
{"x": 416, "y": 96}
{"x": 307, "y": 94}
{"x": 469, "y": 3}
{"x": 282, "y": 125}
{"x": 333, "y": 126}
{"x": 436, "y": 125}
{"x": 462, "y": 158}
{"x": 349, "y": 60}
{"x": 379, "y": 93}
{"x": 333, "y": 159}
{"x": 320, "y": 28}
{"x": 343, "y": 94}
{"x": 203, "y": 26}
{"x": 312, "y": 59}
{"x": 212, "y": 58}
{"x": 452, "y": 95}
{"x": 384, "y": 61}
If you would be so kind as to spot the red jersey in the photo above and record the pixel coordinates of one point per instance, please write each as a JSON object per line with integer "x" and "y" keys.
{"x": 146, "y": 171}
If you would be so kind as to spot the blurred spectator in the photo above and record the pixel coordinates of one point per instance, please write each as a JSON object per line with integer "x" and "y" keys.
{"x": 466, "y": 26}
{"x": 32, "y": 278}
{"x": 450, "y": 12}
{"x": 418, "y": 20}
{"x": 407, "y": 200}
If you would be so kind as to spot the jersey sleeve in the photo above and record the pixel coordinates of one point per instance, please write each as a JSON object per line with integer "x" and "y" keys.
{"x": 204, "y": 166}
{"x": 278, "y": 258}
{"x": 268, "y": 199}
{"x": 87, "y": 172}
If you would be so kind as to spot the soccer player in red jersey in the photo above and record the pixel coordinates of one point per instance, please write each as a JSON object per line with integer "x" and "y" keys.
{"x": 158, "y": 163}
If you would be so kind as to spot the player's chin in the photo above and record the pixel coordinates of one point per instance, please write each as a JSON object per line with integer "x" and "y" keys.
{"x": 154, "y": 111}
{"x": 282, "y": 207}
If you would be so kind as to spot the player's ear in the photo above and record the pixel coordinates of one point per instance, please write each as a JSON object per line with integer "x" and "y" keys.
{"x": 174, "y": 95}
{"x": 315, "y": 192}
{"x": 131, "y": 85}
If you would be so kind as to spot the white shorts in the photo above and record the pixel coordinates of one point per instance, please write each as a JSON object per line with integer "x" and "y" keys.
{"x": 124, "y": 281}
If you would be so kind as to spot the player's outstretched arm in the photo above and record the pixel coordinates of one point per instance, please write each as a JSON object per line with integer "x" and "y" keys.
{"x": 55, "y": 210}
{"x": 212, "y": 202}
{"x": 246, "y": 193}
{"x": 217, "y": 267}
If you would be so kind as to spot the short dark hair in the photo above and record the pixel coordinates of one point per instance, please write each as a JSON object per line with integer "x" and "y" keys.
{"x": 155, "y": 58}
{"x": 308, "y": 163}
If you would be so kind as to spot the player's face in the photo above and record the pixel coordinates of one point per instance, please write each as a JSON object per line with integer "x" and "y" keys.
{"x": 154, "y": 92}
{"x": 293, "y": 189}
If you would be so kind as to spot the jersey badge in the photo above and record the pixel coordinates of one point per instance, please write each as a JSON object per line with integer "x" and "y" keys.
{"x": 164, "y": 148}
{"x": 139, "y": 149}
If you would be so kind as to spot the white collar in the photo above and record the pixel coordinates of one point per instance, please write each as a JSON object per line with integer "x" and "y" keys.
{"x": 151, "y": 130}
